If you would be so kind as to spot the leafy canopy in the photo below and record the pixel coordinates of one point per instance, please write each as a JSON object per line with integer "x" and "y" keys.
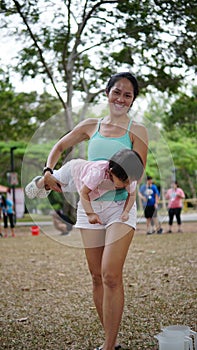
{"x": 76, "y": 46}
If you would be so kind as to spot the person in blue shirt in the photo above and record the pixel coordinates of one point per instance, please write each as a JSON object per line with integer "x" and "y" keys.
{"x": 6, "y": 206}
{"x": 150, "y": 195}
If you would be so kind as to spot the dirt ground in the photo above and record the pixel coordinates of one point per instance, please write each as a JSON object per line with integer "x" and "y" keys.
{"x": 46, "y": 299}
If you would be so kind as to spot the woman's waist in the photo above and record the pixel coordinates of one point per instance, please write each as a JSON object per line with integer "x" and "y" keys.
{"x": 175, "y": 206}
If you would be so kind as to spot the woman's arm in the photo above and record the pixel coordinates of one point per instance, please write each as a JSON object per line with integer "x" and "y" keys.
{"x": 139, "y": 138}
{"x": 157, "y": 197}
{"x": 180, "y": 194}
{"x": 80, "y": 133}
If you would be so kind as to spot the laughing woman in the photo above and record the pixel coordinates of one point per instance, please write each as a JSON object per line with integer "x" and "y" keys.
{"x": 106, "y": 245}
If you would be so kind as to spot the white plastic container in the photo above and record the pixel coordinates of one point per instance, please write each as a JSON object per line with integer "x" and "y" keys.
{"x": 175, "y": 341}
{"x": 183, "y": 329}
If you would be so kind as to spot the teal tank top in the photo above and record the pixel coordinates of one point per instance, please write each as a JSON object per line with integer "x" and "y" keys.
{"x": 103, "y": 148}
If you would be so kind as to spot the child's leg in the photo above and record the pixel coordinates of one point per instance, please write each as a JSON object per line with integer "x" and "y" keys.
{"x": 36, "y": 189}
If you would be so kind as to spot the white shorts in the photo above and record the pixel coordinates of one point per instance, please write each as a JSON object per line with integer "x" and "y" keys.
{"x": 109, "y": 213}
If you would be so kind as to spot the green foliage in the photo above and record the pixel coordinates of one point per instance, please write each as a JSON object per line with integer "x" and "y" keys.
{"x": 183, "y": 115}
{"x": 151, "y": 38}
{"x": 75, "y": 47}
{"x": 163, "y": 36}
{"x": 185, "y": 154}
{"x": 21, "y": 113}
{"x": 174, "y": 147}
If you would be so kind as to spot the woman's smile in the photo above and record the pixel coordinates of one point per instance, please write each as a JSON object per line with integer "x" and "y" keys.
{"x": 121, "y": 96}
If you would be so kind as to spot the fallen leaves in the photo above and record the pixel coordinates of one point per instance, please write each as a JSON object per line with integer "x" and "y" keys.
{"x": 46, "y": 293}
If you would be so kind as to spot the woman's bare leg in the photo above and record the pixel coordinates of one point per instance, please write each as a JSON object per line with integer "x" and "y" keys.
{"x": 106, "y": 264}
{"x": 114, "y": 255}
{"x": 94, "y": 251}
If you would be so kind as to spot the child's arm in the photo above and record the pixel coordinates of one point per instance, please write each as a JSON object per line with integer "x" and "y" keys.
{"x": 93, "y": 218}
{"x": 128, "y": 205}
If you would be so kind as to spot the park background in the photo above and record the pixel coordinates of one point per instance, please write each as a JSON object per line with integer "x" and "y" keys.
{"x": 56, "y": 57}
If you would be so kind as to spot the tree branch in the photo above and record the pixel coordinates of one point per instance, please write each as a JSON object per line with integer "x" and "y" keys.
{"x": 81, "y": 27}
{"x": 18, "y": 7}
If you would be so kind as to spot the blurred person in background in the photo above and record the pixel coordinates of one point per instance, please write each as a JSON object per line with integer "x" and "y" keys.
{"x": 6, "y": 206}
{"x": 175, "y": 196}
{"x": 62, "y": 222}
{"x": 150, "y": 196}
{"x": 0, "y": 221}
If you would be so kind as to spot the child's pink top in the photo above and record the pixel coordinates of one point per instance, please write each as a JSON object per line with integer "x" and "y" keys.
{"x": 95, "y": 176}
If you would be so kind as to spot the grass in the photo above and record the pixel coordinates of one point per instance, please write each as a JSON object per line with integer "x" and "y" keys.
{"x": 34, "y": 217}
{"x": 46, "y": 299}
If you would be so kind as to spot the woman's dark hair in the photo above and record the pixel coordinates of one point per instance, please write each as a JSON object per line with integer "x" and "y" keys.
{"x": 114, "y": 78}
{"x": 3, "y": 200}
{"x": 175, "y": 183}
{"x": 126, "y": 163}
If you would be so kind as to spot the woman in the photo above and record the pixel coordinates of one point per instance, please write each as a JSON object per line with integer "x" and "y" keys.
{"x": 106, "y": 246}
{"x": 175, "y": 195}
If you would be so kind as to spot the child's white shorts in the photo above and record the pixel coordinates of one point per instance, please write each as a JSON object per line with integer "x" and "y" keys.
{"x": 109, "y": 213}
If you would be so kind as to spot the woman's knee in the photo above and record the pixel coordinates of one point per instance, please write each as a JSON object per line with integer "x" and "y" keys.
{"x": 112, "y": 280}
{"x": 96, "y": 279}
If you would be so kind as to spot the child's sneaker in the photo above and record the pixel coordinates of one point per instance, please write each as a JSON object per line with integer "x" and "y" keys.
{"x": 32, "y": 191}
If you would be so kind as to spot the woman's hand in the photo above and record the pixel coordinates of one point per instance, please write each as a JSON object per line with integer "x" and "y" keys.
{"x": 50, "y": 182}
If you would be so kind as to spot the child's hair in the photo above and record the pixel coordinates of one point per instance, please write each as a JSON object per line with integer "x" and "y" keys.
{"x": 126, "y": 163}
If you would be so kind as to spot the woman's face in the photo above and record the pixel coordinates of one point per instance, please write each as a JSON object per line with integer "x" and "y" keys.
{"x": 121, "y": 96}
{"x": 173, "y": 186}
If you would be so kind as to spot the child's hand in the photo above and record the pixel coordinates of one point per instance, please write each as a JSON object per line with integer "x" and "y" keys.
{"x": 125, "y": 216}
{"x": 94, "y": 219}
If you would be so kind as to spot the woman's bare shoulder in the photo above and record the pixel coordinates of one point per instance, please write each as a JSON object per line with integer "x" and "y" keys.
{"x": 138, "y": 129}
{"x": 87, "y": 126}
{"x": 137, "y": 125}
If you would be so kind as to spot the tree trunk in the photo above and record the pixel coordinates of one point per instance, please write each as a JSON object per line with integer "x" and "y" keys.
{"x": 190, "y": 182}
